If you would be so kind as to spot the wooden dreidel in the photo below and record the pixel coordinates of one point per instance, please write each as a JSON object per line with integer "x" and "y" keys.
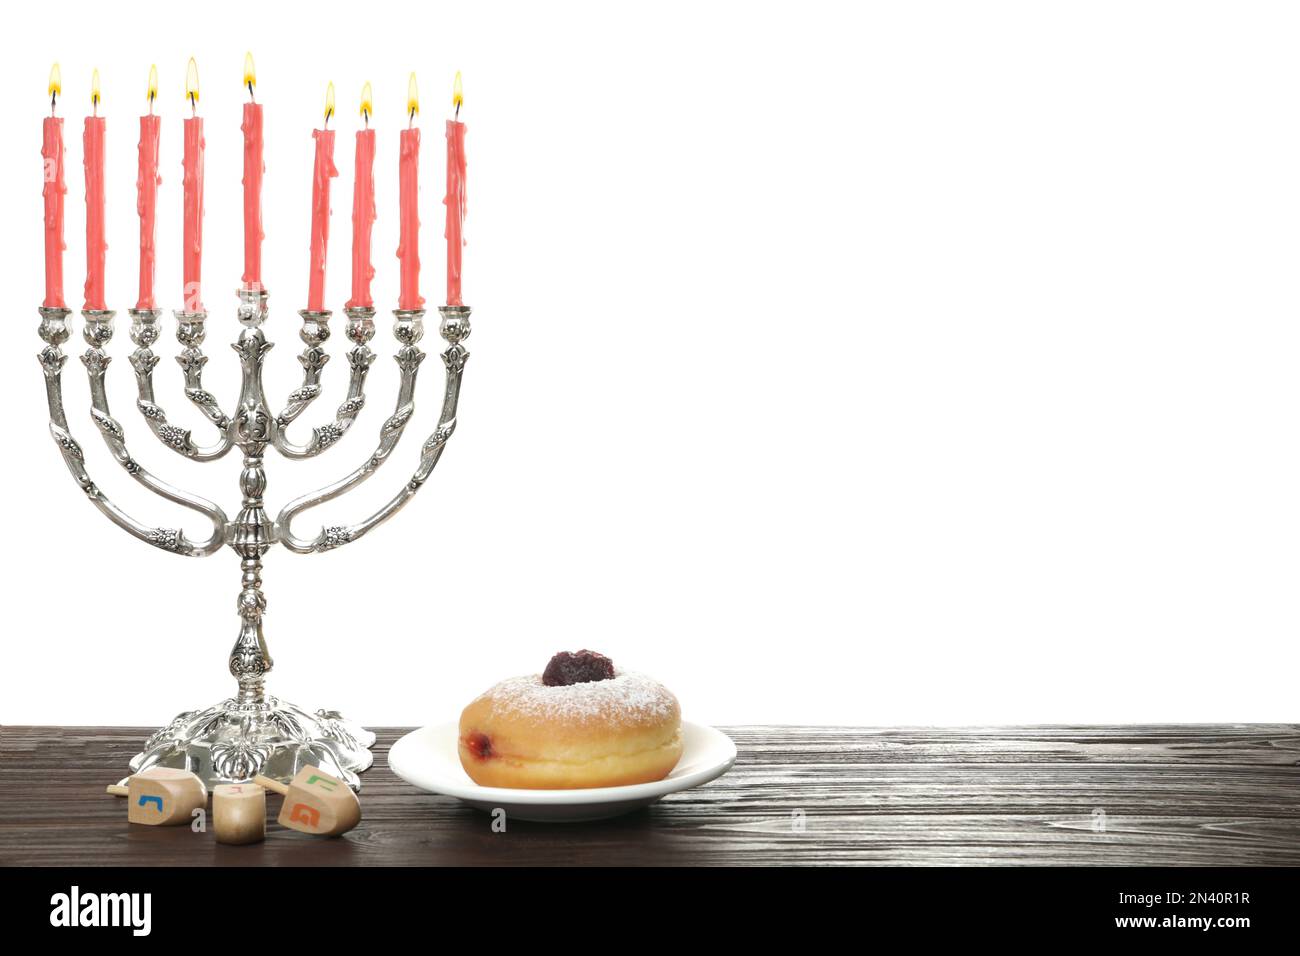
{"x": 162, "y": 796}
{"x": 239, "y": 813}
{"x": 316, "y": 803}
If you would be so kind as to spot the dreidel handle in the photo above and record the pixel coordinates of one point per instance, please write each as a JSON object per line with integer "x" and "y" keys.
{"x": 280, "y": 788}
{"x": 117, "y": 790}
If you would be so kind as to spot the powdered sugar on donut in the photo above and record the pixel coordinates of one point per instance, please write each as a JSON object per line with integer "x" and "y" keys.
{"x": 626, "y": 698}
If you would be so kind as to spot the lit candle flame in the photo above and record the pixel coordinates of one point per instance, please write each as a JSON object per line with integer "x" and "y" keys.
{"x": 153, "y": 84}
{"x": 329, "y": 102}
{"x": 457, "y": 94}
{"x": 56, "y": 85}
{"x": 192, "y": 83}
{"x": 367, "y": 101}
{"x": 250, "y": 73}
{"x": 412, "y": 97}
{"x": 94, "y": 90}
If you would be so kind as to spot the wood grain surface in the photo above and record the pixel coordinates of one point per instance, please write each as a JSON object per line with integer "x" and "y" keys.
{"x": 1170, "y": 795}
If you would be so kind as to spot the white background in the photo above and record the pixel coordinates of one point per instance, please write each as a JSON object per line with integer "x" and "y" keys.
{"x": 891, "y": 363}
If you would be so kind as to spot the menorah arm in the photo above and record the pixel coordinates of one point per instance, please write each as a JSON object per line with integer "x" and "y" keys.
{"x": 315, "y": 331}
{"x": 54, "y": 330}
{"x": 455, "y": 327}
{"x": 190, "y": 333}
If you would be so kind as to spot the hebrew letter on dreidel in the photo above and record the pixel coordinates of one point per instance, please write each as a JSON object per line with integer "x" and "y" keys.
{"x": 162, "y": 796}
{"x": 308, "y": 816}
{"x": 239, "y": 813}
{"x": 316, "y": 803}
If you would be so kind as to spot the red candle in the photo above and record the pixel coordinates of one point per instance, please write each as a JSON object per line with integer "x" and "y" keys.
{"x": 192, "y": 250}
{"x": 363, "y": 208}
{"x": 53, "y": 192}
{"x": 93, "y": 160}
{"x": 322, "y": 172}
{"x": 455, "y": 198}
{"x": 146, "y": 186}
{"x": 254, "y": 167}
{"x": 408, "y": 183}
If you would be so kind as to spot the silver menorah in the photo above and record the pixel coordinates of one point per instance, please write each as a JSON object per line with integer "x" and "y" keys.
{"x": 252, "y": 733}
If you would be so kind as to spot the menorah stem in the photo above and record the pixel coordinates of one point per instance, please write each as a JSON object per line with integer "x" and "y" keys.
{"x": 251, "y": 536}
{"x": 252, "y": 532}
{"x": 250, "y": 660}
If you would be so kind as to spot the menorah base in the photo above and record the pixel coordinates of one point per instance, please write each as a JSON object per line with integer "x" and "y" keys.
{"x": 232, "y": 742}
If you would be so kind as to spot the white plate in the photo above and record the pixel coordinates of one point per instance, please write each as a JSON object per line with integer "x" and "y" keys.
{"x": 428, "y": 759}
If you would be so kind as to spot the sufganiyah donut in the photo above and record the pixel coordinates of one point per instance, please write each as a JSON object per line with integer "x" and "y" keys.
{"x": 579, "y": 724}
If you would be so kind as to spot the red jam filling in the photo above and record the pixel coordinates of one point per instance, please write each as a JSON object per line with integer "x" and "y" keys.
{"x": 480, "y": 745}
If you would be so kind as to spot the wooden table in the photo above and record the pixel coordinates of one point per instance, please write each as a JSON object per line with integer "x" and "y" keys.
{"x": 1153, "y": 795}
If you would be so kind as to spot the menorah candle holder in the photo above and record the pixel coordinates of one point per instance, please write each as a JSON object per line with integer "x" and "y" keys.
{"x": 252, "y": 733}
